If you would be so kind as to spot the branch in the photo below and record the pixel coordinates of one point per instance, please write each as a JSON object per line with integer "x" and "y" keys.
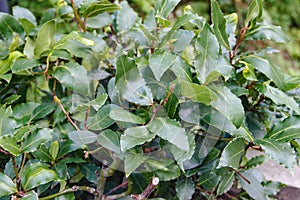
{"x": 149, "y": 189}
{"x": 80, "y": 24}
{"x": 57, "y": 100}
{"x": 123, "y": 194}
{"x": 73, "y": 189}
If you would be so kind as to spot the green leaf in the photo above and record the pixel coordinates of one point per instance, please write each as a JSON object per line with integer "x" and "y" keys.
{"x": 133, "y": 161}
{"x": 165, "y": 7}
{"x": 7, "y": 186}
{"x": 267, "y": 31}
{"x": 231, "y": 155}
{"x": 98, "y": 102}
{"x": 42, "y": 111}
{"x": 32, "y": 195}
{"x": 278, "y": 97}
{"x": 255, "y": 161}
{"x": 135, "y": 136}
{"x": 45, "y": 38}
{"x": 286, "y": 130}
{"x": 171, "y": 131}
{"x": 22, "y": 64}
{"x": 185, "y": 188}
{"x": 126, "y": 17}
{"x": 208, "y": 49}
{"x": 36, "y": 174}
{"x": 231, "y": 24}
{"x": 197, "y": 93}
{"x": 54, "y": 148}
{"x": 73, "y": 76}
{"x": 271, "y": 71}
{"x": 160, "y": 62}
{"x": 254, "y": 188}
{"x": 82, "y": 137}
{"x": 164, "y": 169}
{"x": 35, "y": 139}
{"x": 9, "y": 26}
{"x": 109, "y": 140}
{"x": 9, "y": 143}
{"x": 208, "y": 180}
{"x": 226, "y": 182}
{"x": 119, "y": 114}
{"x": 23, "y": 13}
{"x": 89, "y": 170}
{"x": 255, "y": 12}
{"x": 7, "y": 123}
{"x": 100, "y": 7}
{"x": 101, "y": 120}
{"x": 182, "y": 20}
{"x": 229, "y": 105}
{"x": 281, "y": 152}
{"x": 42, "y": 154}
{"x": 219, "y": 24}
{"x": 130, "y": 84}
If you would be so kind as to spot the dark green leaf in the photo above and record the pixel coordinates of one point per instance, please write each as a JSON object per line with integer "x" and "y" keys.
{"x": 254, "y": 188}
{"x": 281, "y": 152}
{"x": 164, "y": 169}
{"x": 197, "y": 93}
{"x": 89, "y": 171}
{"x": 35, "y": 139}
{"x": 133, "y": 161}
{"x": 160, "y": 62}
{"x": 42, "y": 111}
{"x": 101, "y": 120}
{"x": 231, "y": 155}
{"x": 42, "y": 153}
{"x": 185, "y": 188}
{"x": 255, "y": 161}
{"x": 9, "y": 143}
{"x": 226, "y": 183}
{"x": 122, "y": 115}
{"x": 219, "y": 24}
{"x": 135, "y": 136}
{"x": 7, "y": 123}
{"x": 208, "y": 180}
{"x": 110, "y": 140}
{"x": 229, "y": 105}
{"x": 82, "y": 137}
{"x": 171, "y": 131}
{"x": 100, "y": 7}
{"x": 9, "y": 26}
{"x": 7, "y": 186}
{"x": 36, "y": 174}
{"x": 286, "y": 130}
{"x": 45, "y": 38}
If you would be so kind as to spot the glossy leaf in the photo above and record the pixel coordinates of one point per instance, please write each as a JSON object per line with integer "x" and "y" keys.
{"x": 99, "y": 7}
{"x": 197, "y": 93}
{"x": 7, "y": 186}
{"x": 82, "y": 137}
{"x": 98, "y": 102}
{"x": 73, "y": 76}
{"x": 256, "y": 161}
{"x": 281, "y": 152}
{"x": 279, "y": 97}
{"x": 165, "y": 7}
{"x": 122, "y": 115}
{"x": 9, "y": 144}
{"x": 42, "y": 111}
{"x": 208, "y": 180}
{"x": 226, "y": 182}
{"x": 229, "y": 105}
{"x": 101, "y": 120}
{"x": 32, "y": 195}
{"x": 35, "y": 139}
{"x": 45, "y": 38}
{"x": 286, "y": 130}
{"x": 109, "y": 140}
{"x": 208, "y": 49}
{"x": 135, "y": 136}
{"x": 54, "y": 148}
{"x": 132, "y": 162}
{"x": 271, "y": 71}
{"x": 219, "y": 24}
{"x": 164, "y": 169}
{"x": 185, "y": 188}
{"x": 22, "y": 64}
{"x": 24, "y": 13}
{"x": 254, "y": 188}
{"x": 9, "y": 25}
{"x": 36, "y": 174}
{"x": 7, "y": 123}
{"x": 171, "y": 131}
{"x": 255, "y": 12}
{"x": 160, "y": 62}
{"x": 231, "y": 155}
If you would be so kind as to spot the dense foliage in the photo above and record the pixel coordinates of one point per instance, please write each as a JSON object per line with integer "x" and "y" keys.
{"x": 97, "y": 99}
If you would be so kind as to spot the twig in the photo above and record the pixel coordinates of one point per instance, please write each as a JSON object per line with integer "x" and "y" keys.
{"x": 15, "y": 166}
{"x": 57, "y": 100}
{"x": 242, "y": 176}
{"x": 149, "y": 189}
{"x": 240, "y": 40}
{"x": 86, "y": 117}
{"x": 73, "y": 189}
{"x": 117, "y": 187}
{"x": 123, "y": 194}
{"x": 80, "y": 24}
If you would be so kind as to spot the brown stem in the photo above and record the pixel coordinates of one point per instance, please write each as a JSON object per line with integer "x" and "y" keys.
{"x": 15, "y": 166}
{"x": 57, "y": 100}
{"x": 124, "y": 184}
{"x": 123, "y": 194}
{"x": 80, "y": 24}
{"x": 242, "y": 176}
{"x": 149, "y": 189}
{"x": 240, "y": 40}
{"x": 86, "y": 117}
